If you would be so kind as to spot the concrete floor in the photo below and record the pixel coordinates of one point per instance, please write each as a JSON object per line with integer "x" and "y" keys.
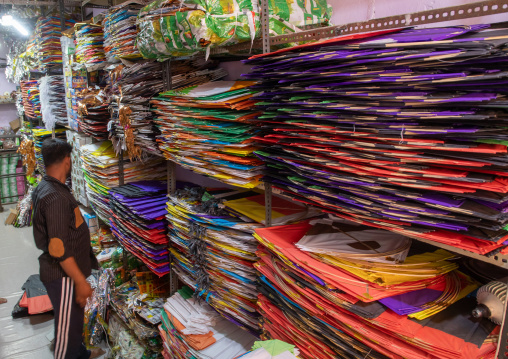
{"x": 23, "y": 338}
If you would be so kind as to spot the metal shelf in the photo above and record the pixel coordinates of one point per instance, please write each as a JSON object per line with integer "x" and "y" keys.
{"x": 459, "y": 12}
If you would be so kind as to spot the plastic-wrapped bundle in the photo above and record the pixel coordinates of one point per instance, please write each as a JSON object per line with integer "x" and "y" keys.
{"x": 48, "y": 48}
{"x": 90, "y": 45}
{"x": 168, "y": 28}
{"x": 149, "y": 39}
{"x": 120, "y": 32}
{"x": 187, "y": 32}
{"x": 52, "y": 96}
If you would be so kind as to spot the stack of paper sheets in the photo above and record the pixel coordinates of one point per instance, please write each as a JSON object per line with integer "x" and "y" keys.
{"x": 135, "y": 84}
{"x": 90, "y": 45}
{"x": 338, "y": 304}
{"x": 39, "y": 135}
{"x": 100, "y": 166}
{"x": 209, "y": 129}
{"x": 52, "y": 97}
{"x": 404, "y": 132}
{"x": 48, "y": 49}
{"x": 213, "y": 251}
{"x": 31, "y": 99}
{"x": 120, "y": 32}
{"x": 192, "y": 329}
{"x": 138, "y": 222}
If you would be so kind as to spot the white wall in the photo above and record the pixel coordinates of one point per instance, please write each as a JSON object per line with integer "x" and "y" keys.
{"x": 8, "y": 112}
{"x": 348, "y": 11}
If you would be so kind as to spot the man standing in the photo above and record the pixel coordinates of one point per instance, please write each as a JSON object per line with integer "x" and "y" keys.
{"x": 67, "y": 258}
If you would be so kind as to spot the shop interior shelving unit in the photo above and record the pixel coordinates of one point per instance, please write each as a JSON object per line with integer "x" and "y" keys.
{"x": 460, "y": 12}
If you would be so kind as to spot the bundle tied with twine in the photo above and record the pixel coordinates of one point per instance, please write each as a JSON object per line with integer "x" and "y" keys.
{"x": 27, "y": 151}
{"x": 133, "y": 150}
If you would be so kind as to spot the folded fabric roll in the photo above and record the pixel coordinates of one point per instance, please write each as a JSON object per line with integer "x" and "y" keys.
{"x": 34, "y": 300}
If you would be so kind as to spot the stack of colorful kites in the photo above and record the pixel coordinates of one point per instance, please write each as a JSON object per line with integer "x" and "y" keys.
{"x": 93, "y": 111}
{"x": 402, "y": 131}
{"x": 120, "y": 32}
{"x": 100, "y": 166}
{"x": 90, "y": 45}
{"x": 31, "y": 99}
{"x": 137, "y": 221}
{"x": 39, "y": 135}
{"x": 52, "y": 97}
{"x": 209, "y": 129}
{"x": 213, "y": 252}
{"x": 134, "y": 86}
{"x": 177, "y": 28}
{"x": 48, "y": 49}
{"x": 333, "y": 287}
{"x": 212, "y": 246}
{"x": 192, "y": 329}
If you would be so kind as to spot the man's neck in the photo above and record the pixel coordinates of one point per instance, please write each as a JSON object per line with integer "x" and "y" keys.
{"x": 59, "y": 175}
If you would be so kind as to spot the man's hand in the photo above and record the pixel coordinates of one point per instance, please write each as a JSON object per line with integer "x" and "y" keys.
{"x": 83, "y": 292}
{"x": 82, "y": 289}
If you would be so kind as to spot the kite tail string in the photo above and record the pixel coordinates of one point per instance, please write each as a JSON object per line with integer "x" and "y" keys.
{"x": 401, "y": 136}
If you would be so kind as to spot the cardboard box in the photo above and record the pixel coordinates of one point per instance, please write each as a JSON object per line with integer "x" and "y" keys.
{"x": 11, "y": 218}
{"x": 15, "y": 125}
{"x": 91, "y": 221}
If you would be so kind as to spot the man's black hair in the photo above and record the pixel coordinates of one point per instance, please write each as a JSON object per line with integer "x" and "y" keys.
{"x": 54, "y": 150}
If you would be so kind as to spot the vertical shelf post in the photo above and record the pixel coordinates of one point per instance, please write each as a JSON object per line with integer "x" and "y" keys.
{"x": 171, "y": 183}
{"x": 265, "y": 29}
{"x": 120, "y": 169}
{"x": 171, "y": 175}
{"x": 502, "y": 344}
{"x": 265, "y": 37}
{"x": 268, "y": 204}
{"x": 121, "y": 183}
